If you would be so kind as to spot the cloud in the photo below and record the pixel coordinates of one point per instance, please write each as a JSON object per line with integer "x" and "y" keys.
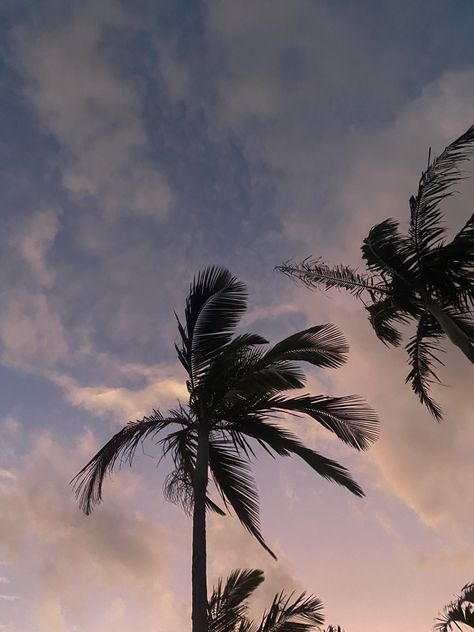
{"x": 91, "y": 110}
{"x": 116, "y": 561}
{"x": 31, "y": 331}
{"x": 121, "y": 402}
{"x": 34, "y": 240}
{"x": 9, "y": 476}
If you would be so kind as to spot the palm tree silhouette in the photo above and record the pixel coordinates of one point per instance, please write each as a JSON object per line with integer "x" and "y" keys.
{"x": 236, "y": 387}
{"x": 415, "y": 277}
{"x": 460, "y": 611}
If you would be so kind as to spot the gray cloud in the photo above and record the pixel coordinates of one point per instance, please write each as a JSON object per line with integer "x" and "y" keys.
{"x": 112, "y": 561}
{"x": 90, "y": 109}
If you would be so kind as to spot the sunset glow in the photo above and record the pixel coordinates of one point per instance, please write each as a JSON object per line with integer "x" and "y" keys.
{"x": 143, "y": 141}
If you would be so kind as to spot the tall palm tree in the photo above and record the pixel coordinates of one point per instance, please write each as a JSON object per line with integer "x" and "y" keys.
{"x": 417, "y": 277}
{"x": 236, "y": 387}
{"x": 228, "y": 607}
{"x": 460, "y": 611}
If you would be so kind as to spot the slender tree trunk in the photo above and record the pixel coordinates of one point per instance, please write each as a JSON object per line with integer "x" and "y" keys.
{"x": 199, "y": 578}
{"x": 450, "y": 328}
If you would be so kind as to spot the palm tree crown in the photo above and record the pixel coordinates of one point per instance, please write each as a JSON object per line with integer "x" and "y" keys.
{"x": 417, "y": 277}
{"x": 236, "y": 384}
{"x": 460, "y": 611}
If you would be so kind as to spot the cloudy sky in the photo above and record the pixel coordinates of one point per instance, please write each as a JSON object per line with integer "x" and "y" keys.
{"x": 142, "y": 140}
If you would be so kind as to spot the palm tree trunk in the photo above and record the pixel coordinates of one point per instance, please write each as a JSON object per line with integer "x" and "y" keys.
{"x": 450, "y": 328}
{"x": 199, "y": 578}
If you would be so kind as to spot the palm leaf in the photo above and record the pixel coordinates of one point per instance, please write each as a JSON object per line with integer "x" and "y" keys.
{"x": 227, "y": 367}
{"x": 284, "y": 443}
{"x": 449, "y": 269}
{"x": 122, "y": 447}
{"x": 423, "y": 349}
{"x": 251, "y": 376}
{"x": 215, "y": 303}
{"x": 227, "y": 605}
{"x": 301, "y": 614}
{"x": 229, "y": 362}
{"x": 178, "y": 485}
{"x": 211, "y": 505}
{"x": 382, "y": 316}
{"x": 255, "y": 372}
{"x": 323, "y": 346}
{"x": 385, "y": 251}
{"x": 315, "y": 273}
{"x": 436, "y": 184}
{"x": 237, "y": 487}
{"x": 349, "y": 417}
{"x": 262, "y": 379}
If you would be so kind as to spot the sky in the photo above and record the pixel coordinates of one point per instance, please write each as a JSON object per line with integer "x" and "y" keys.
{"x": 141, "y": 141}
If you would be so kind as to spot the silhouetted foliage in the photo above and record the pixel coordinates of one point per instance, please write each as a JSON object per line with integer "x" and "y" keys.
{"x": 416, "y": 277}
{"x": 228, "y": 607}
{"x": 460, "y": 611}
{"x": 237, "y": 386}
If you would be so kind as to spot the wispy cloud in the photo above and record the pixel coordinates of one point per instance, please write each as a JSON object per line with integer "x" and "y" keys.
{"x": 34, "y": 239}
{"x": 92, "y": 111}
{"x": 123, "y": 403}
{"x": 118, "y": 568}
{"x": 9, "y": 597}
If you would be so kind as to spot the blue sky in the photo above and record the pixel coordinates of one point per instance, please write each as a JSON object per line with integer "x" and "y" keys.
{"x": 141, "y": 141}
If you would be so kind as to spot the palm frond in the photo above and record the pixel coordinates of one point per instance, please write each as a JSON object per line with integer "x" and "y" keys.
{"x": 385, "y": 251}
{"x": 449, "y": 269}
{"x": 348, "y": 417}
{"x": 251, "y": 376}
{"x": 315, "y": 273}
{"x": 122, "y": 447}
{"x": 468, "y": 593}
{"x": 227, "y": 605}
{"x": 178, "y": 484}
{"x": 382, "y": 316}
{"x": 214, "y": 306}
{"x": 423, "y": 349}
{"x": 284, "y": 443}
{"x": 288, "y": 614}
{"x": 264, "y": 379}
{"x": 211, "y": 505}
{"x": 235, "y": 361}
{"x": 232, "y": 477}
{"x": 462, "y": 246}
{"x": 322, "y": 345}
{"x": 436, "y": 184}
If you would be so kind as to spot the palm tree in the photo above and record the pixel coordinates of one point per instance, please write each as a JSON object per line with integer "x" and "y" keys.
{"x": 417, "y": 277}
{"x": 460, "y": 611}
{"x": 228, "y": 608}
{"x": 236, "y": 387}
